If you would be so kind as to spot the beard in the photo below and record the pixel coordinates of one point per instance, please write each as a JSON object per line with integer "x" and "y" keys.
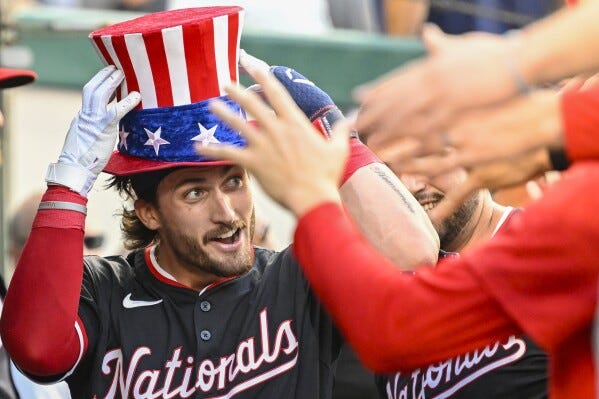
{"x": 190, "y": 252}
{"x": 453, "y": 225}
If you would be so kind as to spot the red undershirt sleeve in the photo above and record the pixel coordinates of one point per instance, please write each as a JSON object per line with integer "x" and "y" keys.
{"x": 581, "y": 123}
{"x": 39, "y": 317}
{"x": 543, "y": 267}
{"x": 515, "y": 283}
{"x": 386, "y": 315}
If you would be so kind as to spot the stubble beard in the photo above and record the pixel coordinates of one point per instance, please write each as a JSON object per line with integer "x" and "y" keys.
{"x": 190, "y": 252}
{"x": 451, "y": 227}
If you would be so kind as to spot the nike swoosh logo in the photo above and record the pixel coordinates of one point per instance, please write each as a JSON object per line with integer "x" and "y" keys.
{"x": 130, "y": 303}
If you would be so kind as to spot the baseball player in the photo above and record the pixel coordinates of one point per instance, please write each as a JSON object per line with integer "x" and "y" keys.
{"x": 14, "y": 384}
{"x": 511, "y": 368}
{"x": 193, "y": 310}
{"x": 537, "y": 276}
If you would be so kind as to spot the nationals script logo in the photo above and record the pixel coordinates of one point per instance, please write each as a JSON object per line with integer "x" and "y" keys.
{"x": 446, "y": 378}
{"x": 222, "y": 375}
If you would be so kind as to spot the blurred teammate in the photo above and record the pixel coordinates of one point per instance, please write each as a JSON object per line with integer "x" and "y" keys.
{"x": 512, "y": 368}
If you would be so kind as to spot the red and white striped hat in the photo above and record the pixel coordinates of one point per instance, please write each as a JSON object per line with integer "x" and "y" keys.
{"x": 177, "y": 60}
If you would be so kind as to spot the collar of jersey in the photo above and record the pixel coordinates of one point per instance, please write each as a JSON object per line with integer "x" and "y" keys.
{"x": 164, "y": 276}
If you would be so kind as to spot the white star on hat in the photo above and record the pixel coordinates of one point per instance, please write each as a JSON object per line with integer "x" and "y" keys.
{"x": 123, "y": 136}
{"x": 206, "y": 136}
{"x": 155, "y": 140}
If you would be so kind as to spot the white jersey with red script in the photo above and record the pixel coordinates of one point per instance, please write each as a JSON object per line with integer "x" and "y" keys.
{"x": 260, "y": 335}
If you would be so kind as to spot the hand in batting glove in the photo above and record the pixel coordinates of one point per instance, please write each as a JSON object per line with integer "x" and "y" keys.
{"x": 92, "y": 135}
{"x": 316, "y": 104}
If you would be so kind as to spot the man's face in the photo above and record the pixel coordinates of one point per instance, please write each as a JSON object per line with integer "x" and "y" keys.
{"x": 430, "y": 192}
{"x": 207, "y": 218}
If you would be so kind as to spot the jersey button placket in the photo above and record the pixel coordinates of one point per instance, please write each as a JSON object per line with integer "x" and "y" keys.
{"x": 205, "y": 335}
{"x": 205, "y": 306}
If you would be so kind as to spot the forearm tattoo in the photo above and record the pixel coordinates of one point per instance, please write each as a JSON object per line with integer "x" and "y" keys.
{"x": 380, "y": 172}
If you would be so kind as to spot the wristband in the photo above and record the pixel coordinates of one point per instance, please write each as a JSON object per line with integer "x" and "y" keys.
{"x": 359, "y": 156}
{"x": 75, "y": 177}
{"x": 63, "y": 205}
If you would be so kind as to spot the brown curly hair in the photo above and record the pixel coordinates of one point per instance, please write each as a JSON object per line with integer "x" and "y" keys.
{"x": 140, "y": 186}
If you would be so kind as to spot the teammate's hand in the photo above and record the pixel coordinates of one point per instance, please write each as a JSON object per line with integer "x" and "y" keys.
{"x": 92, "y": 135}
{"x": 423, "y": 97}
{"x": 314, "y": 102}
{"x": 494, "y": 176}
{"x": 295, "y": 165}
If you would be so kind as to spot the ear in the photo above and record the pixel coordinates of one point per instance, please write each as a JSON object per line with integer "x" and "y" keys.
{"x": 148, "y": 214}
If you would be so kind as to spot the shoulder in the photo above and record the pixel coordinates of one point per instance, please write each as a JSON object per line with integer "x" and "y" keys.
{"x": 113, "y": 268}
{"x": 264, "y": 258}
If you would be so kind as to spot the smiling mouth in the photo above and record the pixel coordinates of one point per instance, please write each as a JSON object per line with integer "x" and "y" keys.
{"x": 428, "y": 206}
{"x": 230, "y": 237}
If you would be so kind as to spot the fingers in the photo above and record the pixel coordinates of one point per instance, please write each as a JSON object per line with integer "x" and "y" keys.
{"x": 90, "y": 87}
{"x": 432, "y": 165}
{"x": 453, "y": 199}
{"x": 278, "y": 97}
{"x": 340, "y": 135}
{"x": 250, "y": 65}
{"x": 252, "y": 103}
{"x": 98, "y": 90}
{"x": 256, "y": 88}
{"x": 433, "y": 38}
{"x": 249, "y": 132}
{"x": 224, "y": 152}
{"x": 127, "y": 104}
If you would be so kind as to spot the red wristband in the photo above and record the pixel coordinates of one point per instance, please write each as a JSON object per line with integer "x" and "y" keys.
{"x": 359, "y": 155}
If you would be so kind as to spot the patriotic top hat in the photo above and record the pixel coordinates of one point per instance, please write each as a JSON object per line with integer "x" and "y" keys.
{"x": 178, "y": 61}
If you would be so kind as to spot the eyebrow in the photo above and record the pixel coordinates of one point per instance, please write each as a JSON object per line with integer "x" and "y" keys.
{"x": 198, "y": 180}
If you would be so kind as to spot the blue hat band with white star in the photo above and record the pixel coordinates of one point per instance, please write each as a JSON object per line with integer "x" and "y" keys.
{"x": 169, "y": 134}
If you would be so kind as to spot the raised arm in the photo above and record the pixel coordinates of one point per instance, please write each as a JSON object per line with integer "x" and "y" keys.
{"x": 40, "y": 326}
{"x": 518, "y": 281}
{"x": 385, "y": 211}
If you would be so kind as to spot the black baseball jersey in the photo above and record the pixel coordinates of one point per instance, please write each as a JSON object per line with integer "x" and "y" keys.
{"x": 260, "y": 335}
{"x": 513, "y": 369}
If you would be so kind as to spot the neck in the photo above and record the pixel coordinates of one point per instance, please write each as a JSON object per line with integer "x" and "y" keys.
{"x": 481, "y": 225}
{"x": 182, "y": 272}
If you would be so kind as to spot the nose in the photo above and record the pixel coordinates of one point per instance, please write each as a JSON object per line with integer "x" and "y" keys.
{"x": 414, "y": 183}
{"x": 221, "y": 208}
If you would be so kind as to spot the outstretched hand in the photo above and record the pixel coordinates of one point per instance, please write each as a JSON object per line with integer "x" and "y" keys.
{"x": 424, "y": 97}
{"x": 292, "y": 161}
{"x": 489, "y": 134}
{"x": 493, "y": 176}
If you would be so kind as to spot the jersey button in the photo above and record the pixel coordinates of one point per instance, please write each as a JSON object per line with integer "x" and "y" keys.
{"x": 205, "y": 335}
{"x": 205, "y": 306}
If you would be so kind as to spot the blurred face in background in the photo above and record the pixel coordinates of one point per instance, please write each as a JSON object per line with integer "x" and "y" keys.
{"x": 429, "y": 192}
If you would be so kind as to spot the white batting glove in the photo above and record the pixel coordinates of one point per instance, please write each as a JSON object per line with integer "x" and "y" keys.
{"x": 92, "y": 135}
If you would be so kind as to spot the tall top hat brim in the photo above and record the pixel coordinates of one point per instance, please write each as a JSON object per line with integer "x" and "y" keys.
{"x": 178, "y": 61}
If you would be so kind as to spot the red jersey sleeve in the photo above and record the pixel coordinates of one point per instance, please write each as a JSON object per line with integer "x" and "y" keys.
{"x": 581, "y": 123}
{"x": 389, "y": 316}
{"x": 538, "y": 276}
{"x": 542, "y": 268}
{"x": 39, "y": 326}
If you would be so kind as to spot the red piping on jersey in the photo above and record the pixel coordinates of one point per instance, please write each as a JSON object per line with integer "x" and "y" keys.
{"x": 157, "y": 274}
{"x": 175, "y": 283}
